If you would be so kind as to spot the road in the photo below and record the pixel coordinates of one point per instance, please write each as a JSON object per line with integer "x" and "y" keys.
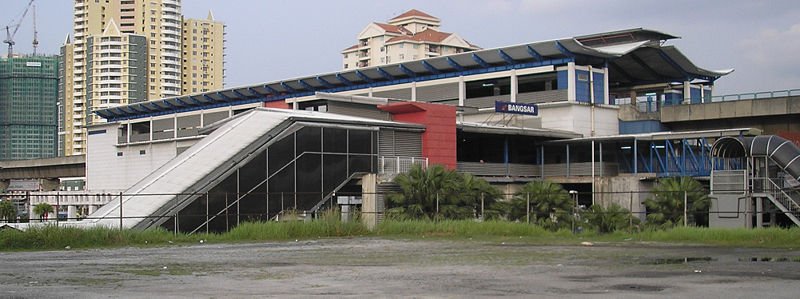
{"x": 375, "y": 267}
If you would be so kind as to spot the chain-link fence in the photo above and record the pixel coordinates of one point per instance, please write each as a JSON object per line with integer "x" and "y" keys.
{"x": 219, "y": 211}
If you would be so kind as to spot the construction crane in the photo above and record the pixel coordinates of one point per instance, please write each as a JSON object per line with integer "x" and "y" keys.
{"x": 11, "y": 33}
{"x": 35, "y": 32}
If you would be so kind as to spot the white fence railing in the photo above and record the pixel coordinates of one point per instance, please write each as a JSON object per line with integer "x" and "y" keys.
{"x": 395, "y": 165}
{"x": 76, "y": 198}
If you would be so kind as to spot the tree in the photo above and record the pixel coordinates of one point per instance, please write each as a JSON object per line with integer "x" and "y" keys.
{"x": 8, "y": 211}
{"x": 459, "y": 195}
{"x": 43, "y": 210}
{"x": 476, "y": 192}
{"x": 551, "y": 205}
{"x": 420, "y": 191}
{"x": 609, "y": 219}
{"x": 666, "y": 206}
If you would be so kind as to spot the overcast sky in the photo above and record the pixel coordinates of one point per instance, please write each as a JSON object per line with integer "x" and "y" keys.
{"x": 273, "y": 40}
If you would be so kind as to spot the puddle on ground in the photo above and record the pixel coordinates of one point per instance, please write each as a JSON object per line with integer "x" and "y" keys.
{"x": 677, "y": 261}
{"x": 770, "y": 259}
{"x": 637, "y": 288}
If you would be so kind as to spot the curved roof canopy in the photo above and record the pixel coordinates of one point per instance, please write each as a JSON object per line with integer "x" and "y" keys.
{"x": 634, "y": 56}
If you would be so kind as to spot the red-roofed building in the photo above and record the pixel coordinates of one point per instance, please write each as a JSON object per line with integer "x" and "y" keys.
{"x": 409, "y": 36}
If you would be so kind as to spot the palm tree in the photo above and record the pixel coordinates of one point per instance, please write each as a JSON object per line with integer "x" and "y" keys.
{"x": 608, "y": 219}
{"x": 8, "y": 211}
{"x": 422, "y": 190}
{"x": 43, "y": 210}
{"x": 476, "y": 192}
{"x": 551, "y": 205}
{"x": 666, "y": 206}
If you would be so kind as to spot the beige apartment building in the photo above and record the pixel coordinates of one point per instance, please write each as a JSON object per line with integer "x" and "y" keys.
{"x": 128, "y": 51}
{"x": 412, "y": 35}
{"x": 203, "y": 63}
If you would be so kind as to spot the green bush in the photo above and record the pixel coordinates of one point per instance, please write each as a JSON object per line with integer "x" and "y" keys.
{"x": 609, "y": 219}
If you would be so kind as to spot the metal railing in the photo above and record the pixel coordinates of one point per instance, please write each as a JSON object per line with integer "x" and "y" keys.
{"x": 281, "y": 206}
{"x": 756, "y": 95}
{"x": 393, "y": 165}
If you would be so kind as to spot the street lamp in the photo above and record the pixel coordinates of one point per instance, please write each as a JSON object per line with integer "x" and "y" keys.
{"x": 574, "y": 195}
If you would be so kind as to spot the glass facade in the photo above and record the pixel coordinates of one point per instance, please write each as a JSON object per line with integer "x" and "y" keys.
{"x": 298, "y": 172}
{"x": 28, "y": 107}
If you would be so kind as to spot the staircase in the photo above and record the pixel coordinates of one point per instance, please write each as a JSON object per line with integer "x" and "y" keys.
{"x": 784, "y": 199}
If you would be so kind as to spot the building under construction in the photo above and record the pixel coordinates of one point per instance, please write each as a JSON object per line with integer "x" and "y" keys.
{"x": 28, "y": 107}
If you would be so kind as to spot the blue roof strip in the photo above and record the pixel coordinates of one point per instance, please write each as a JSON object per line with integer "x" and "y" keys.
{"x": 430, "y": 67}
{"x": 363, "y": 76}
{"x": 407, "y": 70}
{"x": 324, "y": 82}
{"x": 455, "y": 64}
{"x": 385, "y": 74}
{"x": 506, "y": 57}
{"x": 288, "y": 88}
{"x": 343, "y": 79}
{"x": 224, "y": 97}
{"x": 272, "y": 91}
{"x": 277, "y": 97}
{"x": 239, "y": 94}
{"x": 534, "y": 54}
{"x": 563, "y": 50}
{"x": 154, "y": 106}
{"x": 182, "y": 102}
{"x": 480, "y": 60}
{"x": 306, "y": 85}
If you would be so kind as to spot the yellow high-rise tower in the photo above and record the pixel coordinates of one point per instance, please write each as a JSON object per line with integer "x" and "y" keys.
{"x": 127, "y": 51}
{"x": 203, "y": 63}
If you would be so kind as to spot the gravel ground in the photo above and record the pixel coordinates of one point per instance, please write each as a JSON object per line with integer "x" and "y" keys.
{"x": 374, "y": 267}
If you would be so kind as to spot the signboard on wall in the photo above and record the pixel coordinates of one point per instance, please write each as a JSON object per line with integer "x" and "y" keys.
{"x": 24, "y": 185}
{"x": 516, "y": 108}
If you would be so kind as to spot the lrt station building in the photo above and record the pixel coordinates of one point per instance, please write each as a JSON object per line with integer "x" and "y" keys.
{"x": 541, "y": 110}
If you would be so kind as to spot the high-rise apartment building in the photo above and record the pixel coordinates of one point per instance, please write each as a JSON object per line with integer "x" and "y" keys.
{"x": 410, "y": 36}
{"x": 28, "y": 111}
{"x": 127, "y": 51}
{"x": 203, "y": 63}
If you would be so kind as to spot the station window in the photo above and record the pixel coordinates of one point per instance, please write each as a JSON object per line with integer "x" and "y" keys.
{"x": 488, "y": 87}
{"x": 537, "y": 82}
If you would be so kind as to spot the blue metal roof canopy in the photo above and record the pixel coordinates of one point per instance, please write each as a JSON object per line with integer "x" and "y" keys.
{"x": 635, "y": 66}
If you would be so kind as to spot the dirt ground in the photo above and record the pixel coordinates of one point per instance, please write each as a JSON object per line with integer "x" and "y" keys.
{"x": 374, "y": 267}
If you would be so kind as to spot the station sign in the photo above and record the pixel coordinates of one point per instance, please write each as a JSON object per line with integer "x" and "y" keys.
{"x": 516, "y": 108}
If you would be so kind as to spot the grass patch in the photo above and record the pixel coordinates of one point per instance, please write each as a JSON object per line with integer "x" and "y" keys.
{"x": 740, "y": 237}
{"x": 52, "y": 237}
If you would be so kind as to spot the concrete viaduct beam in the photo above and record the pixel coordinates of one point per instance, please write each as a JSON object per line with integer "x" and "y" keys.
{"x": 60, "y": 167}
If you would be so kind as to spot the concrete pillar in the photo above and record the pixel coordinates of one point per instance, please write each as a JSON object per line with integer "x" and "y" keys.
{"x": 514, "y": 86}
{"x": 462, "y": 91}
{"x": 702, "y": 93}
{"x": 92, "y": 209}
{"x": 414, "y": 91}
{"x": 571, "y": 81}
{"x": 369, "y": 201}
{"x": 759, "y": 212}
{"x": 369, "y": 92}
{"x": 687, "y": 88}
{"x": 72, "y": 212}
{"x": 591, "y": 86}
{"x": 606, "y": 95}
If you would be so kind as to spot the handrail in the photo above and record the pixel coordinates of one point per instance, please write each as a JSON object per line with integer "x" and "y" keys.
{"x": 756, "y": 95}
{"x": 793, "y": 205}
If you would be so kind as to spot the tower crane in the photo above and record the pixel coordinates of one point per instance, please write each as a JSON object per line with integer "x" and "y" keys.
{"x": 35, "y": 32}
{"x": 11, "y": 33}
